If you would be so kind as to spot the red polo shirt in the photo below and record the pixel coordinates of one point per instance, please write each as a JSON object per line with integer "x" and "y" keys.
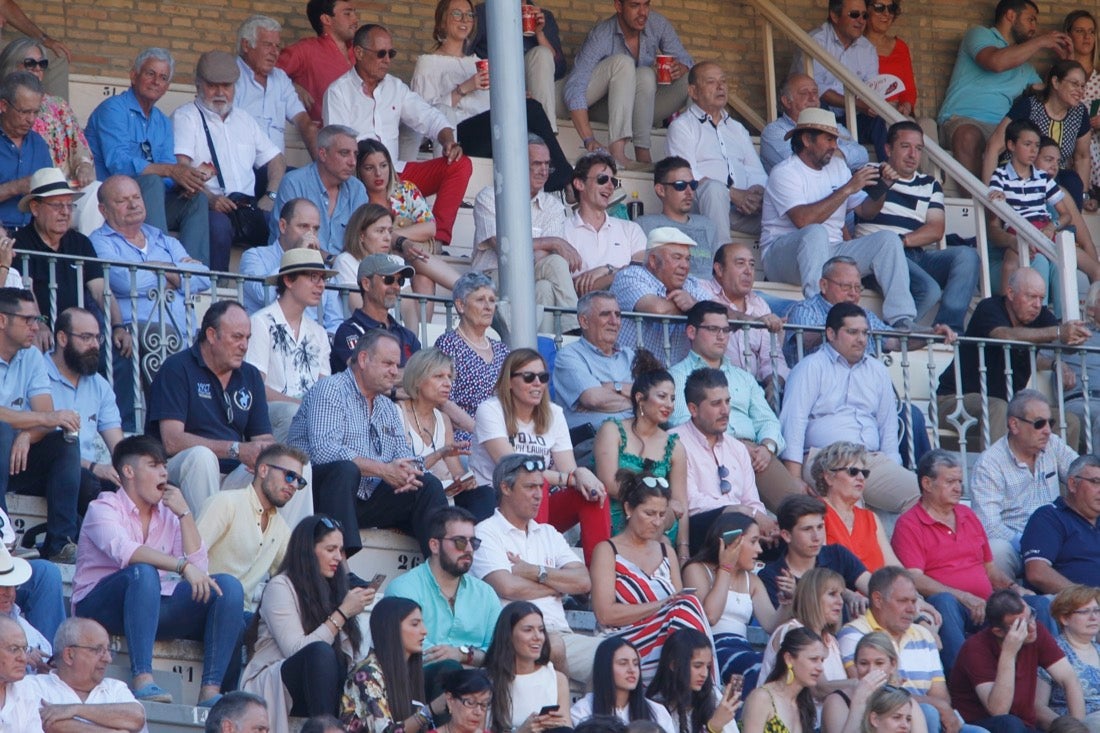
{"x": 955, "y": 558}
{"x": 314, "y": 63}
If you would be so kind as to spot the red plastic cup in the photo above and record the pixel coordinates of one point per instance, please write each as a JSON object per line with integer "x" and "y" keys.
{"x": 483, "y": 66}
{"x": 530, "y": 19}
{"x": 664, "y": 68}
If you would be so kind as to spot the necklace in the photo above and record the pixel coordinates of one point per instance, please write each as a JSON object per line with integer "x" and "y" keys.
{"x": 419, "y": 427}
{"x": 484, "y": 346}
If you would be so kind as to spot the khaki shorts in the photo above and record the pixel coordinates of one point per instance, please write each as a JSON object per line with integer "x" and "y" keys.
{"x": 954, "y": 122}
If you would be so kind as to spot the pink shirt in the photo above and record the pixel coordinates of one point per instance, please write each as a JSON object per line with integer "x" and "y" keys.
{"x": 759, "y": 363}
{"x": 314, "y": 63}
{"x": 955, "y": 558}
{"x": 110, "y": 535}
{"x": 704, "y": 487}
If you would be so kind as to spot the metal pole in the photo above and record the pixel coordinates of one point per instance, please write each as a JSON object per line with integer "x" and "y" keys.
{"x": 507, "y": 98}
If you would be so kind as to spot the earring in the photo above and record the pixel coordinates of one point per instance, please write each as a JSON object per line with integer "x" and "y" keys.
{"x": 790, "y": 676}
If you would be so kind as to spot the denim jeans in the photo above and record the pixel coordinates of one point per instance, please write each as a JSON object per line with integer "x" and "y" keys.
{"x": 932, "y": 715}
{"x": 124, "y": 603}
{"x": 41, "y": 598}
{"x": 945, "y": 276}
{"x": 53, "y": 471}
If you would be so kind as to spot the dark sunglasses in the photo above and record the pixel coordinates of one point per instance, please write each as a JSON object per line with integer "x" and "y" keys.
{"x": 1038, "y": 424}
{"x": 893, "y": 8}
{"x": 854, "y": 14}
{"x": 529, "y": 377}
{"x": 532, "y": 464}
{"x": 653, "y": 482}
{"x": 603, "y": 178}
{"x": 391, "y": 279}
{"x": 852, "y": 471}
{"x": 461, "y": 543}
{"x": 723, "y": 480}
{"x": 147, "y": 150}
{"x": 381, "y": 53}
{"x": 291, "y": 477}
{"x": 229, "y": 416}
{"x": 681, "y": 186}
{"x": 29, "y": 64}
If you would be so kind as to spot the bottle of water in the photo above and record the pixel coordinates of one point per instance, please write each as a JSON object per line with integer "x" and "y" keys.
{"x": 635, "y": 208}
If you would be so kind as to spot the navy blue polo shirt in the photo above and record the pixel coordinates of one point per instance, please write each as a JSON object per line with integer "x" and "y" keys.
{"x": 1070, "y": 543}
{"x": 20, "y": 162}
{"x": 347, "y": 335}
{"x": 186, "y": 390}
{"x": 834, "y": 557}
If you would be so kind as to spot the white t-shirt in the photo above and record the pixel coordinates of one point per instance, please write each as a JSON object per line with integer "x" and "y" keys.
{"x": 489, "y": 424}
{"x": 793, "y": 183}
{"x": 582, "y": 711}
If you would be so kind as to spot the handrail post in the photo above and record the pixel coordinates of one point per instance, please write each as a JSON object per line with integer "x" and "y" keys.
{"x": 770, "y": 97}
{"x": 1065, "y": 248}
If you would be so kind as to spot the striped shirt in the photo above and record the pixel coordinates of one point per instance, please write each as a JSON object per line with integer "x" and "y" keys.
{"x": 919, "y": 665}
{"x": 1027, "y": 196}
{"x": 906, "y": 207}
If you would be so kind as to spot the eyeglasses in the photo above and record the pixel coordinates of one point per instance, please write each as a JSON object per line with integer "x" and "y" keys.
{"x": 460, "y": 15}
{"x": 15, "y": 649}
{"x": 147, "y": 150}
{"x": 228, "y": 407}
{"x": 1094, "y": 611}
{"x": 461, "y": 542}
{"x": 28, "y": 320}
{"x": 723, "y": 480}
{"x": 291, "y": 477}
{"x": 87, "y": 337}
{"x": 714, "y": 329}
{"x": 680, "y": 186}
{"x": 533, "y": 464}
{"x": 331, "y": 524}
{"x": 855, "y": 14}
{"x": 99, "y": 650}
{"x": 603, "y": 178}
{"x": 847, "y": 287}
{"x": 470, "y": 704}
{"x": 652, "y": 482}
{"x": 391, "y": 279}
{"x": 57, "y": 205}
{"x": 1094, "y": 480}
{"x": 382, "y": 52}
{"x": 29, "y": 64}
{"x": 537, "y": 164}
{"x": 1037, "y": 424}
{"x": 893, "y": 9}
{"x": 529, "y": 377}
{"x": 852, "y": 471}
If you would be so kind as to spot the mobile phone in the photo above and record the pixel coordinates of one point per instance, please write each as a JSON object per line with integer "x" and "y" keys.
{"x": 376, "y": 582}
{"x": 728, "y": 538}
{"x": 1094, "y": 107}
{"x": 549, "y": 709}
{"x": 687, "y": 591}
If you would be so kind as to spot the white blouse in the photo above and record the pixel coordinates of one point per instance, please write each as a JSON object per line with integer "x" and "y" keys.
{"x": 436, "y": 76}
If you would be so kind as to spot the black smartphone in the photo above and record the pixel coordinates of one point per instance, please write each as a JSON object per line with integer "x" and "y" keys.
{"x": 728, "y": 538}
{"x": 549, "y": 709}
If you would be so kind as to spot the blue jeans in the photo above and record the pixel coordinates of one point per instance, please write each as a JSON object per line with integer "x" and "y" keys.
{"x": 957, "y": 625}
{"x": 932, "y": 715}
{"x": 41, "y": 599}
{"x": 945, "y": 276}
{"x": 53, "y": 472}
{"x": 124, "y": 603}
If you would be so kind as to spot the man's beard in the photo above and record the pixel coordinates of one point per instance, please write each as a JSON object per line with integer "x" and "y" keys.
{"x": 85, "y": 364}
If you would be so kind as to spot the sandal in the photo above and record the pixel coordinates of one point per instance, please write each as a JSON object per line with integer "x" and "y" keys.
{"x": 153, "y": 692}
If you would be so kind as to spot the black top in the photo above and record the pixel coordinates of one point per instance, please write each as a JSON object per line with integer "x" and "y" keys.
{"x": 65, "y": 271}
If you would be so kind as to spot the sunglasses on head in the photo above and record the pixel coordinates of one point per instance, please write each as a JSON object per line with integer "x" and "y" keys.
{"x": 382, "y": 52}
{"x": 855, "y": 14}
{"x": 852, "y": 471}
{"x": 603, "y": 178}
{"x": 29, "y": 64}
{"x": 292, "y": 478}
{"x": 461, "y": 542}
{"x": 529, "y": 377}
{"x": 681, "y": 186}
{"x": 533, "y": 464}
{"x": 331, "y": 524}
{"x": 653, "y": 482}
{"x": 893, "y": 8}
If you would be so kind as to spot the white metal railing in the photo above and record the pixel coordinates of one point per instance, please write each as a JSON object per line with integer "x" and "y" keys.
{"x": 1061, "y": 252}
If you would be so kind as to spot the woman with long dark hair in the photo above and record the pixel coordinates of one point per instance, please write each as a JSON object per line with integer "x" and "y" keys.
{"x": 684, "y": 684}
{"x": 524, "y": 679}
{"x": 785, "y": 703}
{"x": 385, "y": 691}
{"x": 306, "y": 631}
{"x": 617, "y": 688}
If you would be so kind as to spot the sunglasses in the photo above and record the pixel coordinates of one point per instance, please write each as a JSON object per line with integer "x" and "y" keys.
{"x": 893, "y": 8}
{"x": 532, "y": 464}
{"x": 331, "y": 524}
{"x": 603, "y": 178}
{"x": 653, "y": 482}
{"x": 723, "y": 480}
{"x": 291, "y": 477}
{"x": 391, "y": 279}
{"x": 856, "y": 14}
{"x": 681, "y": 186}
{"x": 29, "y": 64}
{"x": 391, "y": 52}
{"x": 461, "y": 542}
{"x": 529, "y": 377}
{"x": 1037, "y": 424}
{"x": 852, "y": 471}
{"x": 147, "y": 150}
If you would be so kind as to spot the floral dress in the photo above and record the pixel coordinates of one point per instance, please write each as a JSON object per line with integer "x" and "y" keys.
{"x": 477, "y": 378}
{"x": 1086, "y": 674}
{"x": 406, "y": 202}
{"x": 57, "y": 125}
{"x": 363, "y": 706}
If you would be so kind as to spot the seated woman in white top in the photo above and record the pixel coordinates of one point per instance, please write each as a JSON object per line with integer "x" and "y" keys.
{"x": 524, "y": 679}
{"x": 450, "y": 81}
{"x": 617, "y": 688}
{"x": 369, "y": 232}
{"x": 684, "y": 684}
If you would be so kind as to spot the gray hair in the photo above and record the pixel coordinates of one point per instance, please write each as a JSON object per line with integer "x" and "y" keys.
{"x": 250, "y": 29}
{"x": 11, "y": 84}
{"x": 420, "y": 365}
{"x": 329, "y": 133}
{"x": 785, "y": 87}
{"x": 1016, "y": 279}
{"x": 70, "y": 631}
{"x": 1080, "y": 463}
{"x": 508, "y": 469}
{"x": 882, "y": 580}
{"x": 585, "y": 304}
{"x": 231, "y": 707}
{"x": 533, "y": 139}
{"x": 367, "y": 341}
{"x": 11, "y": 60}
{"x": 832, "y": 263}
{"x": 157, "y": 54}
{"x": 932, "y": 462}
{"x": 469, "y": 283}
{"x": 1017, "y": 406}
{"x": 840, "y": 453}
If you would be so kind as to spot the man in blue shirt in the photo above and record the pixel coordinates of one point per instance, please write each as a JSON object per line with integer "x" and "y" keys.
{"x": 129, "y": 135}
{"x": 1060, "y": 545}
{"x": 22, "y": 150}
{"x": 32, "y": 432}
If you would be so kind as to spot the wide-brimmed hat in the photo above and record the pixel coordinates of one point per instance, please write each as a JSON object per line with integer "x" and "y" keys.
{"x": 46, "y": 182}
{"x": 383, "y": 264}
{"x": 815, "y": 118}
{"x": 661, "y": 236}
{"x": 13, "y": 570}
{"x": 300, "y": 259}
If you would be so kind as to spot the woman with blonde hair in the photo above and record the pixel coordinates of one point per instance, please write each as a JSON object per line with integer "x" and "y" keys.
{"x": 890, "y": 710}
{"x": 875, "y": 665}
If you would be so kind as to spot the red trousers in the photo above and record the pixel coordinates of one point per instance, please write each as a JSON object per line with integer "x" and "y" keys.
{"x": 447, "y": 182}
{"x": 563, "y": 509}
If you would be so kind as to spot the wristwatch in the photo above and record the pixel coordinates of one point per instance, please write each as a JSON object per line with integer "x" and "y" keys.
{"x": 468, "y": 654}
{"x": 770, "y": 445}
{"x": 618, "y": 387}
{"x": 544, "y": 573}
{"x": 271, "y": 195}
{"x": 235, "y": 449}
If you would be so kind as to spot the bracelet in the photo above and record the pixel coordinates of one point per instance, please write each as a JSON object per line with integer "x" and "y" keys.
{"x": 342, "y": 614}
{"x": 569, "y": 479}
{"x": 709, "y": 729}
{"x": 589, "y": 139}
{"x": 728, "y": 568}
{"x": 183, "y": 514}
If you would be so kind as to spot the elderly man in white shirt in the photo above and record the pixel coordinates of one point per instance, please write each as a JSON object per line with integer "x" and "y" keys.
{"x": 555, "y": 258}
{"x": 228, "y": 145}
{"x": 375, "y": 104}
{"x": 18, "y": 710}
{"x": 78, "y": 692}
{"x": 720, "y": 151}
